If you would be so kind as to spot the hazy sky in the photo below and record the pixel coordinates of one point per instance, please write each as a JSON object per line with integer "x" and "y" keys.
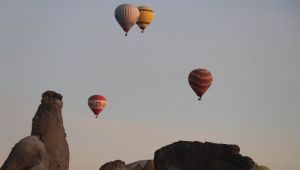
{"x": 76, "y": 48}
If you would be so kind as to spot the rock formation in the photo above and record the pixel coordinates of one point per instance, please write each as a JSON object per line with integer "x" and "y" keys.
{"x": 120, "y": 165}
{"x": 29, "y": 153}
{"x": 114, "y": 165}
{"x": 47, "y": 147}
{"x": 136, "y": 165}
{"x": 184, "y": 155}
{"x": 149, "y": 165}
{"x": 47, "y": 124}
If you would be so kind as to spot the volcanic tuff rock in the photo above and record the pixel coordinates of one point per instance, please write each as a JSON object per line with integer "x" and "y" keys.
{"x": 185, "y": 155}
{"x": 30, "y": 152}
{"x": 138, "y": 167}
{"x": 114, "y": 165}
{"x": 137, "y": 164}
{"x": 120, "y": 165}
{"x": 47, "y": 147}
{"x": 149, "y": 165}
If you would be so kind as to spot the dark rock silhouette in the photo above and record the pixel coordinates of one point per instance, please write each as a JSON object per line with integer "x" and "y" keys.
{"x": 47, "y": 147}
{"x": 120, "y": 165}
{"x": 138, "y": 167}
{"x": 114, "y": 165}
{"x": 185, "y": 155}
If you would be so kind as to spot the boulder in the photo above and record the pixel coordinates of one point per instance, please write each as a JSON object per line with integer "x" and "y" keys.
{"x": 184, "y": 155}
{"x": 28, "y": 153}
{"x": 114, "y": 165}
{"x": 120, "y": 165}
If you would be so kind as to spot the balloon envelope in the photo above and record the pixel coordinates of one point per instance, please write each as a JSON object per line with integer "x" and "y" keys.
{"x": 145, "y": 18}
{"x": 200, "y": 80}
{"x": 97, "y": 103}
{"x": 127, "y": 15}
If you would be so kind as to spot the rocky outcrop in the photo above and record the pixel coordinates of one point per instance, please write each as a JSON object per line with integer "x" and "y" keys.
{"x": 29, "y": 153}
{"x": 47, "y": 147}
{"x": 136, "y": 165}
{"x": 120, "y": 165}
{"x": 114, "y": 165}
{"x": 149, "y": 165}
{"x": 185, "y": 155}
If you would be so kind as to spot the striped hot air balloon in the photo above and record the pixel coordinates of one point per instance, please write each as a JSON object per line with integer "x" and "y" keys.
{"x": 97, "y": 103}
{"x": 146, "y": 17}
{"x": 200, "y": 80}
{"x": 127, "y": 15}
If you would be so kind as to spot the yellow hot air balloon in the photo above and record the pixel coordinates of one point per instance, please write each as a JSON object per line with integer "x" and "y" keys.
{"x": 127, "y": 15}
{"x": 146, "y": 17}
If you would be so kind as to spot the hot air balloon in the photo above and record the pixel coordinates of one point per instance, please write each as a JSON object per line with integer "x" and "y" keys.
{"x": 97, "y": 103}
{"x": 200, "y": 80}
{"x": 146, "y": 17}
{"x": 127, "y": 15}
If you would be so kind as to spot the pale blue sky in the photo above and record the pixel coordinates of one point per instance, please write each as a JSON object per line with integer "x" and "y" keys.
{"x": 78, "y": 49}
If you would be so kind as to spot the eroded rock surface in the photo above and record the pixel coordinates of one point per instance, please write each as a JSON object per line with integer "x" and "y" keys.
{"x": 114, "y": 165}
{"x": 28, "y": 153}
{"x": 47, "y": 124}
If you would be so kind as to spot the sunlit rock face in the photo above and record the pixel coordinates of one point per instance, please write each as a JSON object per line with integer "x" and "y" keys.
{"x": 47, "y": 147}
{"x": 184, "y": 155}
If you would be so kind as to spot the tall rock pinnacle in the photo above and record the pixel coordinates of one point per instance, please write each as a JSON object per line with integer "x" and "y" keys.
{"x": 47, "y": 147}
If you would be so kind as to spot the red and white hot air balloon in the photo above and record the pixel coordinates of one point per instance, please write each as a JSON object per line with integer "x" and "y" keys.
{"x": 200, "y": 80}
{"x": 97, "y": 103}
